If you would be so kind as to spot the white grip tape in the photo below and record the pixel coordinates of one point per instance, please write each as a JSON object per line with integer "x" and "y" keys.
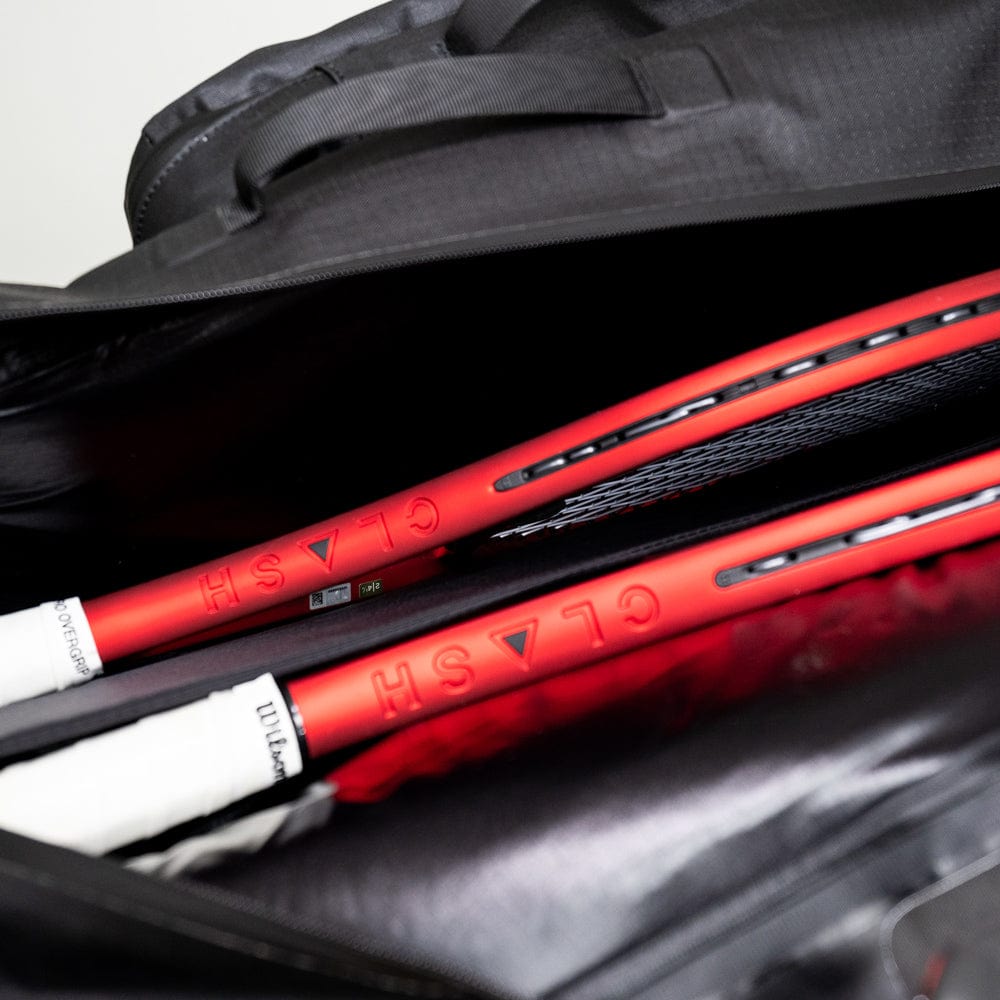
{"x": 128, "y": 784}
{"x": 45, "y": 649}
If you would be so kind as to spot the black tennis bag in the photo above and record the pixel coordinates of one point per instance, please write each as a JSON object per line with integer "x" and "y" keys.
{"x": 365, "y": 258}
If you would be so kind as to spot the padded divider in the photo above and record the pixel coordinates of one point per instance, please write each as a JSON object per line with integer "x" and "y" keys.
{"x": 630, "y": 850}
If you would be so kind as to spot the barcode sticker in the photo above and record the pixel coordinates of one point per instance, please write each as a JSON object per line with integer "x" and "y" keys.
{"x": 331, "y": 597}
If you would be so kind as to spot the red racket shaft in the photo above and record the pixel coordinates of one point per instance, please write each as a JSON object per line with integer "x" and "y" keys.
{"x": 466, "y": 501}
{"x": 138, "y": 781}
{"x": 389, "y": 578}
{"x": 835, "y": 633}
{"x": 66, "y": 642}
{"x": 634, "y": 607}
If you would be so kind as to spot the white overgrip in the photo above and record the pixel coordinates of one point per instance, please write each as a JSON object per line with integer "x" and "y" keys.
{"x": 141, "y": 780}
{"x": 45, "y": 649}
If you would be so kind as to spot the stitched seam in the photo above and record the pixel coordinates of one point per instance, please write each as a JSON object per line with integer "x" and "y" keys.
{"x": 654, "y": 103}
{"x": 140, "y": 215}
{"x": 186, "y": 150}
{"x": 291, "y": 277}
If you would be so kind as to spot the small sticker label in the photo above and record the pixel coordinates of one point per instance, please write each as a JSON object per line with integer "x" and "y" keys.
{"x": 72, "y": 650}
{"x": 331, "y": 597}
{"x": 370, "y": 588}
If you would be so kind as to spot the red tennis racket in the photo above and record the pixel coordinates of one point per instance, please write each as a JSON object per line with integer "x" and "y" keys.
{"x": 127, "y": 785}
{"x": 67, "y": 642}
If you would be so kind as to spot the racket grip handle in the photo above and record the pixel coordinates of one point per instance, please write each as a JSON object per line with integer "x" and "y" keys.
{"x": 45, "y": 649}
{"x": 123, "y": 786}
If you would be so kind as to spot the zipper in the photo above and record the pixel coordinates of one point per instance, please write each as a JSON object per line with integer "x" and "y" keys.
{"x": 553, "y": 233}
{"x": 363, "y": 962}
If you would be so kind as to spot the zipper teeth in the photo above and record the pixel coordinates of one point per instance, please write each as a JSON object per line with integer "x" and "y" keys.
{"x": 624, "y": 228}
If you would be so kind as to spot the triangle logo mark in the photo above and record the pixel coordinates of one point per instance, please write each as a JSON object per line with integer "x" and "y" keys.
{"x": 321, "y": 547}
{"x": 517, "y": 641}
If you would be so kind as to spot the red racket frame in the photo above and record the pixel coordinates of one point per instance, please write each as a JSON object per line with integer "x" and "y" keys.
{"x": 466, "y": 501}
{"x": 631, "y": 608}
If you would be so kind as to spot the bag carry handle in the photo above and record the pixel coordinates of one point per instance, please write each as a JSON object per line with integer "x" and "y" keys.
{"x": 466, "y": 87}
{"x": 481, "y": 25}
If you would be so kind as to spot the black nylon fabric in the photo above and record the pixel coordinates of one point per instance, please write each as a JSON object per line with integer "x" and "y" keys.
{"x": 480, "y": 25}
{"x": 812, "y": 812}
{"x": 215, "y": 131}
{"x": 478, "y": 87}
{"x": 743, "y": 844}
{"x": 132, "y": 936}
{"x": 832, "y": 102}
{"x": 260, "y": 73}
{"x": 190, "y": 398}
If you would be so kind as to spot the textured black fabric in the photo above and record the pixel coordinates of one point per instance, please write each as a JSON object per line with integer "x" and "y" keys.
{"x": 133, "y": 936}
{"x": 833, "y": 102}
{"x": 480, "y": 25}
{"x": 212, "y": 120}
{"x": 260, "y": 73}
{"x": 490, "y": 86}
{"x": 768, "y": 844}
{"x": 212, "y": 387}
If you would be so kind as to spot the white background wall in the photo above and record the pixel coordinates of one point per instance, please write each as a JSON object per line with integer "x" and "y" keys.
{"x": 78, "y": 80}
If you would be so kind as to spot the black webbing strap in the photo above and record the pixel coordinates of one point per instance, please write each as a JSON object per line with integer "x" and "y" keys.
{"x": 486, "y": 86}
